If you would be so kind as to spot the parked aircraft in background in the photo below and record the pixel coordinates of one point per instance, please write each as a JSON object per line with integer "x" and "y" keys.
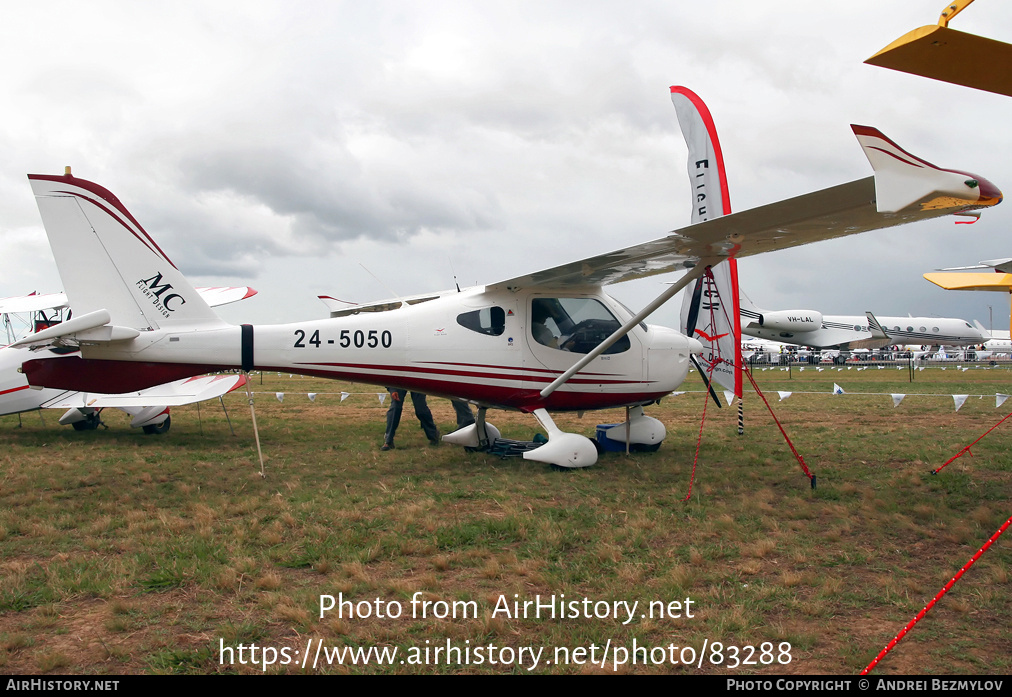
{"x": 551, "y": 340}
{"x": 941, "y": 53}
{"x": 815, "y": 330}
{"x": 148, "y": 408}
{"x": 953, "y": 278}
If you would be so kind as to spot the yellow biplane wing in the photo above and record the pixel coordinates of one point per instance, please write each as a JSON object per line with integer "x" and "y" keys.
{"x": 940, "y": 53}
{"x": 971, "y": 281}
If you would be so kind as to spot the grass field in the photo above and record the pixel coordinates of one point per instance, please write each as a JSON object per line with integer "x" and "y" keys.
{"x": 125, "y": 553}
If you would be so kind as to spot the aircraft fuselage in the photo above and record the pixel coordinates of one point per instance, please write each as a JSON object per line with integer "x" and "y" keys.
{"x": 493, "y": 348}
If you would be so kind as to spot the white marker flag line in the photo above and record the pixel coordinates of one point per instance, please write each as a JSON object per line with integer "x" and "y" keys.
{"x": 280, "y": 396}
{"x": 897, "y": 398}
{"x": 959, "y": 399}
{"x": 784, "y": 395}
{"x": 312, "y": 396}
{"x": 999, "y": 398}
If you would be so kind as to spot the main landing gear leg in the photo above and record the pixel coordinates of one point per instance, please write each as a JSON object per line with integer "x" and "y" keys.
{"x": 481, "y": 428}
{"x": 562, "y": 449}
{"x": 479, "y": 436}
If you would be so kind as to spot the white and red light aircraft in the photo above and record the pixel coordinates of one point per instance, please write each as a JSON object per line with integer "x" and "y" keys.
{"x": 148, "y": 408}
{"x": 551, "y": 340}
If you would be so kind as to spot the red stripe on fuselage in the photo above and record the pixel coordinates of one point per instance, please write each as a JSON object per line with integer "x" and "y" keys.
{"x": 114, "y": 377}
{"x": 489, "y": 376}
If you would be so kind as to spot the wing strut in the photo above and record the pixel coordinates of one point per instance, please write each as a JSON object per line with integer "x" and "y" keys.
{"x": 678, "y": 285}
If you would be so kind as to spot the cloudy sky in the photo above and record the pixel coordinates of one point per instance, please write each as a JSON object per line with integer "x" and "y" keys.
{"x": 305, "y": 147}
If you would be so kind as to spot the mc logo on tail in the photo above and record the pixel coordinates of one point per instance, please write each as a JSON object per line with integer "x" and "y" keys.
{"x": 154, "y": 288}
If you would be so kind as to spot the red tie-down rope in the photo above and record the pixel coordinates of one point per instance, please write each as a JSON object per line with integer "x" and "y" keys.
{"x": 967, "y": 448}
{"x": 744, "y": 369}
{"x": 922, "y": 613}
{"x": 797, "y": 455}
{"x": 699, "y": 440}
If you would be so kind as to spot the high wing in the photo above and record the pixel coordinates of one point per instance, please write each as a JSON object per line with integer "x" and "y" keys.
{"x": 904, "y": 189}
{"x": 36, "y": 302}
{"x": 171, "y": 394}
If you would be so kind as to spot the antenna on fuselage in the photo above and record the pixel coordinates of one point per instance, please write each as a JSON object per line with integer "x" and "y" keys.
{"x": 381, "y": 282}
{"x": 454, "y": 273}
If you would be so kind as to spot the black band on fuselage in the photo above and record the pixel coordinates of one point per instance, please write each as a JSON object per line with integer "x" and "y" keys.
{"x": 247, "y": 347}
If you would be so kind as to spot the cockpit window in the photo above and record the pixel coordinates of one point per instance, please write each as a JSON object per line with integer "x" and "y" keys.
{"x": 488, "y": 320}
{"x": 574, "y": 324}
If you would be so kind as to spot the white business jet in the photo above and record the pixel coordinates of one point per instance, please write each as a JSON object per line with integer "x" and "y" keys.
{"x": 550, "y": 340}
{"x": 847, "y": 332}
{"x": 148, "y": 408}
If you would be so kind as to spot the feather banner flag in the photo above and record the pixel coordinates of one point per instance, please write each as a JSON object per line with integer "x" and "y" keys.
{"x": 710, "y": 310}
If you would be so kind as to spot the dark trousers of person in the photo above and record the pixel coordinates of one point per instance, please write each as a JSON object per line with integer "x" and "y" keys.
{"x": 421, "y": 411}
{"x": 463, "y": 411}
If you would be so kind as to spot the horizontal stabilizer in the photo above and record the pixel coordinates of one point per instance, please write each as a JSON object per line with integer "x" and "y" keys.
{"x": 93, "y": 326}
{"x": 172, "y": 394}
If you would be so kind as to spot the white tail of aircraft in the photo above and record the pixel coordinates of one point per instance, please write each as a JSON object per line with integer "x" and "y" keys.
{"x": 140, "y": 287}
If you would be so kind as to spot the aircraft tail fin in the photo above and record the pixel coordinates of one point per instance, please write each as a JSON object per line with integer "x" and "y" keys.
{"x": 983, "y": 332}
{"x": 109, "y": 262}
{"x": 749, "y": 311}
{"x": 877, "y": 332}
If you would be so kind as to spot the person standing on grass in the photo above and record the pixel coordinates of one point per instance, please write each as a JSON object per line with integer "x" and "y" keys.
{"x": 421, "y": 411}
{"x": 465, "y": 417}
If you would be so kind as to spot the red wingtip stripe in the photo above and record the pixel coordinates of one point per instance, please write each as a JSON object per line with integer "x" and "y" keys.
{"x": 875, "y": 133}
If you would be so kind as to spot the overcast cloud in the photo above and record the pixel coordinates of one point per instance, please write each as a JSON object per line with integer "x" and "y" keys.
{"x": 280, "y": 145}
